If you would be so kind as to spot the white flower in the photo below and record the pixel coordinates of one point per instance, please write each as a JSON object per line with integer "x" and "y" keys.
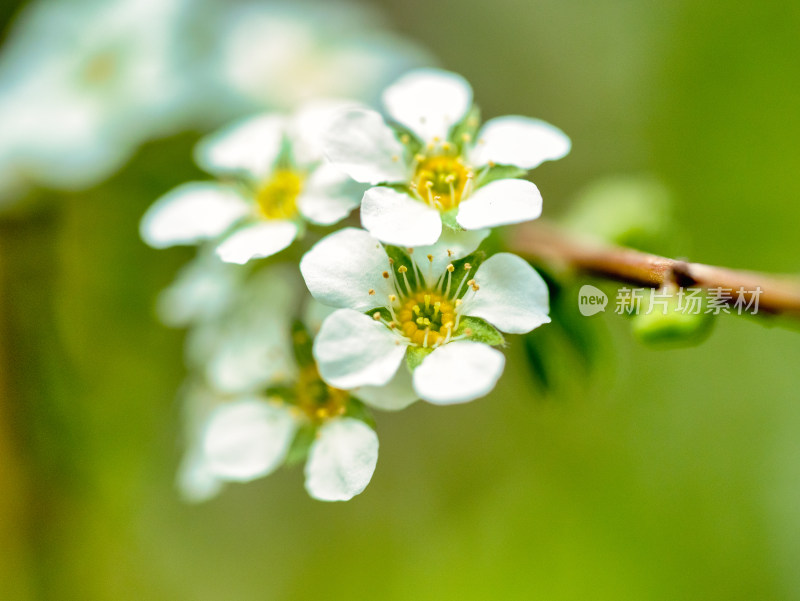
{"x": 441, "y": 167}
{"x": 427, "y": 306}
{"x": 84, "y": 83}
{"x": 279, "y": 54}
{"x": 273, "y": 181}
{"x": 263, "y": 398}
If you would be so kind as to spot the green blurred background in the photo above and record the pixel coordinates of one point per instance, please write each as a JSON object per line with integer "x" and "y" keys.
{"x": 664, "y": 475}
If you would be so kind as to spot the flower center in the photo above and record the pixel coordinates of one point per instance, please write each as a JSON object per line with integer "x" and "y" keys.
{"x": 100, "y": 68}
{"x": 277, "y": 197}
{"x": 442, "y": 181}
{"x": 316, "y": 399}
{"x": 426, "y": 318}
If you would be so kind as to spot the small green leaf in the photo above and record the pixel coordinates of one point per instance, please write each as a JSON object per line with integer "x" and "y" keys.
{"x": 415, "y": 355}
{"x": 479, "y": 330}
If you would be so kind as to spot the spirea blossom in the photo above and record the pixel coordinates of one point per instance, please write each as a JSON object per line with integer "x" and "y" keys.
{"x": 257, "y": 400}
{"x": 431, "y": 163}
{"x": 272, "y": 180}
{"x": 434, "y": 307}
{"x": 82, "y": 84}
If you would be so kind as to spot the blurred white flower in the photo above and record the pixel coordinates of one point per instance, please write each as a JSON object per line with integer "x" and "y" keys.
{"x": 441, "y": 167}
{"x": 262, "y": 394}
{"x": 83, "y": 83}
{"x": 426, "y": 306}
{"x": 273, "y": 180}
{"x": 277, "y": 55}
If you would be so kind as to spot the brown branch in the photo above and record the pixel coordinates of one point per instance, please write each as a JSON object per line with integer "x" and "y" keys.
{"x": 542, "y": 241}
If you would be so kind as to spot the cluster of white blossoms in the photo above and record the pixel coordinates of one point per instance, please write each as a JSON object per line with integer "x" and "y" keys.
{"x": 408, "y": 308}
{"x": 83, "y": 83}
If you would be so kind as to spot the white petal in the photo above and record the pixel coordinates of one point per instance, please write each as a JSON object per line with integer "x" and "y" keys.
{"x": 342, "y": 460}
{"x": 396, "y": 218}
{"x": 512, "y": 295}
{"x": 343, "y": 267}
{"x": 451, "y": 246}
{"x": 397, "y": 394}
{"x": 258, "y": 240}
{"x": 428, "y": 101}
{"x": 458, "y": 372}
{"x": 202, "y": 290}
{"x": 329, "y": 195}
{"x": 308, "y": 125}
{"x": 353, "y": 350}
{"x": 250, "y": 346}
{"x": 500, "y": 202}
{"x": 195, "y": 482}
{"x": 360, "y": 143}
{"x": 519, "y": 141}
{"x": 250, "y": 146}
{"x": 247, "y": 439}
{"x": 192, "y": 212}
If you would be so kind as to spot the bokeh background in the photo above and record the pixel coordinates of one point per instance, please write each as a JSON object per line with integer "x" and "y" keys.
{"x": 659, "y": 475}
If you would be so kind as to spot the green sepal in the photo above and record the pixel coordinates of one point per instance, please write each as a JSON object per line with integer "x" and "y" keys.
{"x": 400, "y": 257}
{"x": 414, "y": 144}
{"x": 474, "y": 260}
{"x": 491, "y": 174}
{"x": 285, "y": 158}
{"x": 358, "y": 410}
{"x": 481, "y": 331}
{"x": 415, "y": 355}
{"x": 303, "y": 438}
{"x": 302, "y": 343}
{"x": 469, "y": 125}
{"x": 449, "y": 220}
{"x": 385, "y": 315}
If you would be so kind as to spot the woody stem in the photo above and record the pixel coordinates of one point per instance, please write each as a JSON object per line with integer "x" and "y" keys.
{"x": 545, "y": 242}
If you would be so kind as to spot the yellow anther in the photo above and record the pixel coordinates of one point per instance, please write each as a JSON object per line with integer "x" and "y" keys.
{"x": 427, "y": 302}
{"x": 386, "y": 275}
{"x": 405, "y": 138}
{"x": 466, "y": 137}
{"x": 392, "y": 325}
{"x": 392, "y": 298}
{"x": 458, "y": 302}
{"x": 371, "y": 291}
{"x": 391, "y": 261}
{"x": 416, "y": 309}
{"x": 451, "y": 268}
{"x": 446, "y": 146}
{"x": 430, "y": 258}
{"x": 376, "y": 316}
{"x": 467, "y": 266}
{"x": 420, "y": 321}
{"x": 475, "y": 287}
{"x": 470, "y": 282}
{"x": 402, "y": 269}
{"x": 449, "y": 253}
